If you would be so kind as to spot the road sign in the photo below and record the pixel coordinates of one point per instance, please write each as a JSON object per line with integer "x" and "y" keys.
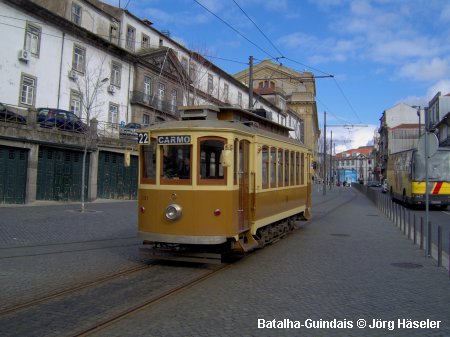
{"x": 432, "y": 143}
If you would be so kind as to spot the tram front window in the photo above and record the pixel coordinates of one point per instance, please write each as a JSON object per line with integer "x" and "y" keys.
{"x": 176, "y": 161}
{"x": 210, "y": 164}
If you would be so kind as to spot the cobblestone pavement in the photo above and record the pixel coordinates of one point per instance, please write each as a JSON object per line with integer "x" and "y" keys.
{"x": 45, "y": 249}
{"x": 348, "y": 263}
{"x": 340, "y": 266}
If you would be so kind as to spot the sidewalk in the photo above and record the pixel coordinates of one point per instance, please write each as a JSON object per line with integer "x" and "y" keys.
{"x": 345, "y": 265}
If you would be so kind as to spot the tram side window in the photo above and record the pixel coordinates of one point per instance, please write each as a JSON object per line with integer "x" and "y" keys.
{"x": 176, "y": 162}
{"x": 297, "y": 163}
{"x": 286, "y": 168}
{"x": 273, "y": 167}
{"x": 265, "y": 167}
{"x": 302, "y": 170}
{"x": 292, "y": 168}
{"x": 149, "y": 162}
{"x": 236, "y": 155}
{"x": 210, "y": 163}
{"x": 280, "y": 168}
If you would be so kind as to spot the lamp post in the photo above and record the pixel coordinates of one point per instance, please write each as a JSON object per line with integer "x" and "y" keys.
{"x": 425, "y": 146}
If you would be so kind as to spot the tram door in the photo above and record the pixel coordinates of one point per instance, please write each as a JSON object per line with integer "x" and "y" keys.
{"x": 243, "y": 180}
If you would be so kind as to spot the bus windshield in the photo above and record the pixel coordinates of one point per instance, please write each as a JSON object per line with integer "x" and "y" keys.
{"x": 438, "y": 166}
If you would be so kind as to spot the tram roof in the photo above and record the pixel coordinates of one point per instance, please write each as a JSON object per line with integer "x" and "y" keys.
{"x": 221, "y": 125}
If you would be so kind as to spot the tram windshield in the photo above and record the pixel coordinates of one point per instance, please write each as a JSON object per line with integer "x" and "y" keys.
{"x": 176, "y": 163}
{"x": 438, "y": 166}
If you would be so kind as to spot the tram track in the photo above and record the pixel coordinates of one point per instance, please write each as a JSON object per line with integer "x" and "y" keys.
{"x": 133, "y": 310}
{"x": 87, "y": 308}
{"x": 71, "y": 290}
{"x": 62, "y": 248}
{"x": 332, "y": 209}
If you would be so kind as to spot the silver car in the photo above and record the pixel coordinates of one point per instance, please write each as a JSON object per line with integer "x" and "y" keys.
{"x": 384, "y": 186}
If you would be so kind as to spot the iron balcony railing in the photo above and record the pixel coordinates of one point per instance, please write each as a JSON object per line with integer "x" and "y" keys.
{"x": 154, "y": 102}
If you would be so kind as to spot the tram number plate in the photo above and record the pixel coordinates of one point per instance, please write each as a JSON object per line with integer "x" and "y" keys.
{"x": 143, "y": 138}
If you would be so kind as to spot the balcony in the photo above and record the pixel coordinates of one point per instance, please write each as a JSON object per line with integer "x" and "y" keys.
{"x": 138, "y": 97}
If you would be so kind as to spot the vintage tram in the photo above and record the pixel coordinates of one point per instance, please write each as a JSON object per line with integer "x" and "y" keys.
{"x": 219, "y": 180}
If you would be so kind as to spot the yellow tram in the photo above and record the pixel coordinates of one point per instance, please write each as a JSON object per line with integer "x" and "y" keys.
{"x": 217, "y": 181}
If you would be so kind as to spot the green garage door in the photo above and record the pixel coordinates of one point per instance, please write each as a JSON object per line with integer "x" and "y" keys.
{"x": 59, "y": 174}
{"x": 115, "y": 181}
{"x": 13, "y": 175}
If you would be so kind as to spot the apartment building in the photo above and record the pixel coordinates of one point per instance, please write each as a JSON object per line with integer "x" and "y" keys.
{"x": 109, "y": 68}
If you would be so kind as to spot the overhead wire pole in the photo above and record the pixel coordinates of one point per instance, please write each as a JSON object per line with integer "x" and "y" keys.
{"x": 331, "y": 158}
{"x": 324, "y": 152}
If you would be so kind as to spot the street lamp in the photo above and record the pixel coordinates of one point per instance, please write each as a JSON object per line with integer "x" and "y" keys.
{"x": 418, "y": 114}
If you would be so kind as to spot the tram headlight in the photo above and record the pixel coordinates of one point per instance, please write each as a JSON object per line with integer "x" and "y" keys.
{"x": 173, "y": 212}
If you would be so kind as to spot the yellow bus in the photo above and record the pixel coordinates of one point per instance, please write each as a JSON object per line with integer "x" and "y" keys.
{"x": 406, "y": 177}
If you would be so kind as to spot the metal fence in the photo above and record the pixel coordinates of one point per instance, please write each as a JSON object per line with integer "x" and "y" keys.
{"x": 413, "y": 226}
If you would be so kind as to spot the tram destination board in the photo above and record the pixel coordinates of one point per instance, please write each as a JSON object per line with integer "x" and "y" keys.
{"x": 174, "y": 140}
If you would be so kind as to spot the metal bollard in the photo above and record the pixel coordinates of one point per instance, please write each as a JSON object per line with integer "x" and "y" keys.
{"x": 414, "y": 228}
{"x": 404, "y": 220}
{"x": 421, "y": 232}
{"x": 429, "y": 239}
{"x": 439, "y": 260}
{"x": 409, "y": 224}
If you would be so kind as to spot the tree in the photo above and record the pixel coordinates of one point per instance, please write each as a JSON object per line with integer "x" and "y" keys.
{"x": 89, "y": 86}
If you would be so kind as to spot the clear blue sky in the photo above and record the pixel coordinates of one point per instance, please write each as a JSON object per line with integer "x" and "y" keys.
{"x": 381, "y": 52}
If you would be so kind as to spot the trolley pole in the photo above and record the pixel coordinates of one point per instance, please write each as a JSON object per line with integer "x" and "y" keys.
{"x": 324, "y": 152}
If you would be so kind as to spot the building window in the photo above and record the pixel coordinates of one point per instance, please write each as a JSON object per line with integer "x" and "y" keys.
{"x": 145, "y": 119}
{"x": 226, "y": 90}
{"x": 76, "y": 13}
{"x": 79, "y": 57}
{"x": 147, "y": 88}
{"x": 131, "y": 37}
{"x": 192, "y": 72}
{"x": 184, "y": 64}
{"x": 32, "y": 39}
{"x": 210, "y": 83}
{"x": 116, "y": 70}
{"x": 75, "y": 103}
{"x": 240, "y": 99}
{"x": 145, "y": 42}
{"x": 161, "y": 91}
{"x": 28, "y": 91}
{"x": 113, "y": 115}
{"x": 174, "y": 99}
{"x": 113, "y": 34}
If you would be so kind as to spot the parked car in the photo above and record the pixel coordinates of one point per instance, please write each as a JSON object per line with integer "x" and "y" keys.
{"x": 61, "y": 119}
{"x": 131, "y": 129}
{"x": 10, "y": 116}
{"x": 373, "y": 183}
{"x": 384, "y": 186}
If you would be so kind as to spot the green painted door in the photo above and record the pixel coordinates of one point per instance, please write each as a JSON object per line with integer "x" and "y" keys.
{"x": 59, "y": 174}
{"x": 13, "y": 175}
{"x": 114, "y": 180}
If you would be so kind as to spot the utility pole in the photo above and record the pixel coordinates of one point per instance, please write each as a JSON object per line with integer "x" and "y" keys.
{"x": 324, "y": 152}
{"x": 250, "y": 84}
{"x": 331, "y": 158}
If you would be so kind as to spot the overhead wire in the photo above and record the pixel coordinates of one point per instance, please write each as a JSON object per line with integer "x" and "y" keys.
{"x": 100, "y": 35}
{"x": 234, "y": 29}
{"x": 263, "y": 34}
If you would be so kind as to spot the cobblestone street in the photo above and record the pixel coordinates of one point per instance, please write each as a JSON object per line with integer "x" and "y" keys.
{"x": 346, "y": 264}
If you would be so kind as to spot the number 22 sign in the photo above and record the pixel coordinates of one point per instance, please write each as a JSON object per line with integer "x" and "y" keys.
{"x": 143, "y": 138}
